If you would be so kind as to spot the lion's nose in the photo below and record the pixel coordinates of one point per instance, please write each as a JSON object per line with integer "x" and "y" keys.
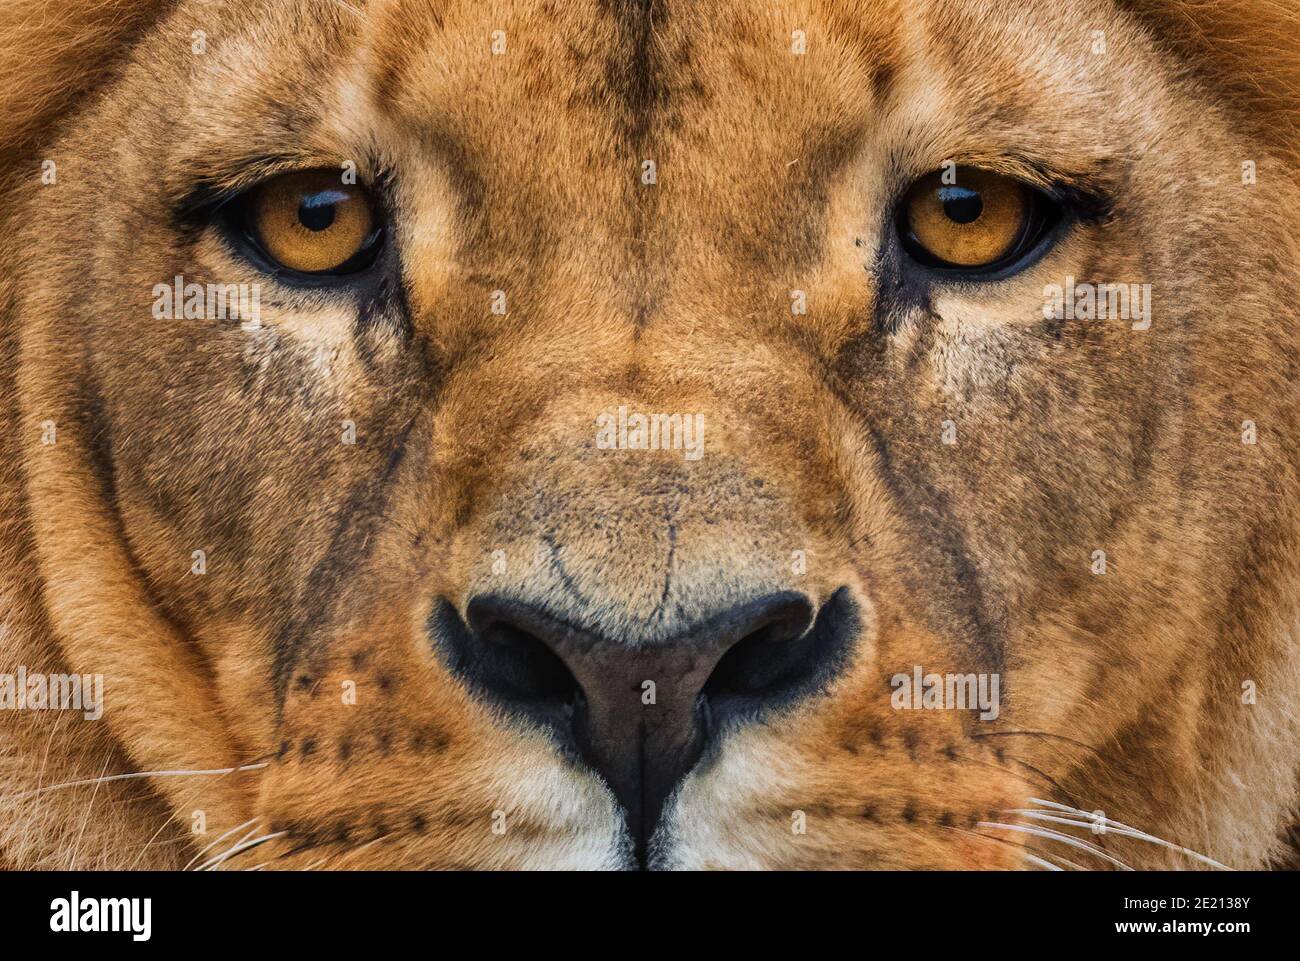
{"x": 640, "y": 713}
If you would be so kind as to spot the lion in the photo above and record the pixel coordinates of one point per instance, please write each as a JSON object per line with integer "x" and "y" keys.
{"x": 649, "y": 434}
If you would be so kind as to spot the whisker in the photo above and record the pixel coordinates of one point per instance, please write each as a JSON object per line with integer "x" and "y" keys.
{"x": 1044, "y": 775}
{"x": 1048, "y": 834}
{"x": 1046, "y": 865}
{"x": 986, "y": 837}
{"x": 1113, "y": 827}
{"x": 240, "y": 849}
{"x": 193, "y": 793}
{"x": 323, "y": 842}
{"x": 90, "y": 806}
{"x": 133, "y": 775}
{"x": 1065, "y": 861}
{"x": 251, "y": 834}
{"x": 998, "y": 767}
{"x": 208, "y": 847}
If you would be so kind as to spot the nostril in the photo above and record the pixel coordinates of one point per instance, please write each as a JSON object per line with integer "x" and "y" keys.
{"x": 522, "y": 667}
{"x": 783, "y": 659}
{"x": 590, "y": 690}
{"x": 769, "y": 649}
{"x": 760, "y": 662}
{"x": 505, "y": 661}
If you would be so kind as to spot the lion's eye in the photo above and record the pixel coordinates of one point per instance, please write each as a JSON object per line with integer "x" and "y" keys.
{"x": 312, "y": 222}
{"x": 972, "y": 221}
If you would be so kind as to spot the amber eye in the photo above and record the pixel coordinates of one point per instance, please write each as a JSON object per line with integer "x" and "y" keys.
{"x": 312, "y": 222}
{"x": 971, "y": 219}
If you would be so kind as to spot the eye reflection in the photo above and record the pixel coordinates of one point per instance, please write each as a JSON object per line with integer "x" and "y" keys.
{"x": 309, "y": 222}
{"x": 983, "y": 220}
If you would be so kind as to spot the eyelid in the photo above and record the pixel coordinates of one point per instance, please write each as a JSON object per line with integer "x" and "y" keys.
{"x": 206, "y": 200}
{"x": 225, "y": 213}
{"x": 1089, "y": 193}
{"x": 1044, "y": 220}
{"x": 232, "y": 179}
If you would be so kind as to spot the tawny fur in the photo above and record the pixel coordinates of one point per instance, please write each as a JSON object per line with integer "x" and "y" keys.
{"x": 521, "y": 173}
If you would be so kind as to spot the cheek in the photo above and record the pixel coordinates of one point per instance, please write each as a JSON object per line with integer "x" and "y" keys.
{"x": 377, "y": 748}
{"x": 856, "y": 779}
{"x": 911, "y": 798}
{"x": 971, "y": 358}
{"x": 242, "y": 664}
{"x": 234, "y": 460}
{"x": 1037, "y": 447}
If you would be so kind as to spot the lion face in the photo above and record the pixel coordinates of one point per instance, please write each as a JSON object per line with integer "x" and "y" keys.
{"x": 675, "y": 458}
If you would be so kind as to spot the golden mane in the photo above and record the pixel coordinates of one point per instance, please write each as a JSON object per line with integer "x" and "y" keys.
{"x": 1249, "y": 50}
{"x": 53, "y": 53}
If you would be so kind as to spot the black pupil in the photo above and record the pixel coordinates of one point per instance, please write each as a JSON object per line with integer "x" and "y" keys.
{"x": 961, "y": 204}
{"x": 316, "y": 211}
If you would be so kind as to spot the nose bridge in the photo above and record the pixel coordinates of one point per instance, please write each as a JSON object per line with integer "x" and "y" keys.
{"x": 637, "y": 543}
{"x": 642, "y": 719}
{"x": 640, "y": 722}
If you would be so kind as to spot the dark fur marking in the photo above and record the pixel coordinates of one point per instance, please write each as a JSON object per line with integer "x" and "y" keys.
{"x": 910, "y": 742}
{"x": 633, "y": 74}
{"x": 968, "y": 621}
{"x": 386, "y": 314}
{"x": 883, "y": 73}
{"x": 359, "y": 516}
{"x": 431, "y": 739}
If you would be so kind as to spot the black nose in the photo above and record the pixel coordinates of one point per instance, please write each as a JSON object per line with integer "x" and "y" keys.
{"x": 641, "y": 714}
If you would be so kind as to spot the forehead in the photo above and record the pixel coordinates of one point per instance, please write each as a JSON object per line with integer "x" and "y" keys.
{"x": 582, "y": 82}
{"x": 592, "y": 129}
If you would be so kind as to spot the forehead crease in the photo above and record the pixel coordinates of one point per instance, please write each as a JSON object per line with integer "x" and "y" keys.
{"x": 398, "y": 31}
{"x": 740, "y": 92}
{"x": 268, "y": 55}
{"x": 871, "y": 33}
{"x": 560, "y": 109}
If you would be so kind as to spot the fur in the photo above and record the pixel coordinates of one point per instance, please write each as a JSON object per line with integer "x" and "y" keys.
{"x": 776, "y": 172}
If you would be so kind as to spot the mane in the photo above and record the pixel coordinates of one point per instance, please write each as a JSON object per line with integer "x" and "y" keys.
{"x": 1248, "y": 50}
{"x": 53, "y": 54}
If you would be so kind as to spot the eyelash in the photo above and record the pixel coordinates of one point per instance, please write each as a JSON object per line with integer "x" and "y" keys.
{"x": 210, "y": 208}
{"x": 1037, "y": 235}
{"x": 1069, "y": 204}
